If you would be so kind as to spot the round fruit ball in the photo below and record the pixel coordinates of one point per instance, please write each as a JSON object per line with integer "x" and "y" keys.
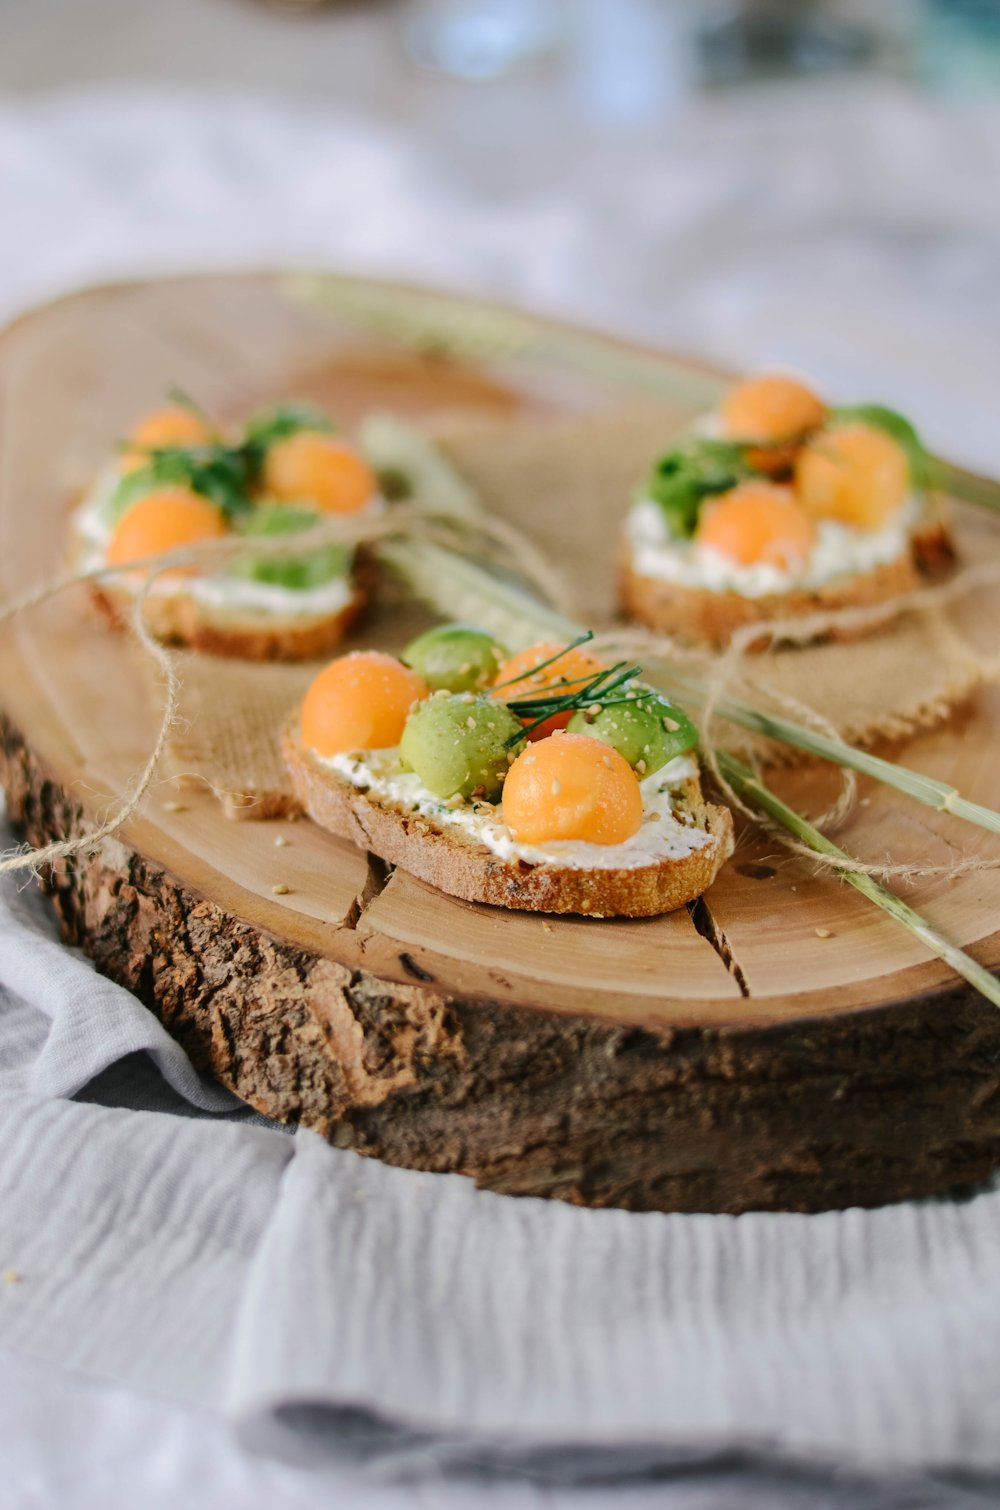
{"x": 455, "y": 658}
{"x": 854, "y": 474}
{"x": 571, "y": 787}
{"x": 171, "y": 426}
{"x": 359, "y": 702}
{"x": 646, "y": 730}
{"x": 758, "y": 524}
{"x": 771, "y": 407}
{"x": 311, "y": 466}
{"x": 776, "y": 410}
{"x": 526, "y": 676}
{"x": 164, "y": 521}
{"x": 458, "y": 745}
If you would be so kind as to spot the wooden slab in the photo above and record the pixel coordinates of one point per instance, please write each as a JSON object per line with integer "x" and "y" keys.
{"x": 778, "y": 1044}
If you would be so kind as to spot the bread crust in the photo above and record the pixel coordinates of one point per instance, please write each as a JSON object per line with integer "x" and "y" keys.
{"x": 699, "y": 614}
{"x": 178, "y": 618}
{"x": 458, "y": 865}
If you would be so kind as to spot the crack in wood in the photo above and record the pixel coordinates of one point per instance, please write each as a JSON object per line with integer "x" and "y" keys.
{"x": 705, "y": 923}
{"x": 411, "y": 967}
{"x": 377, "y": 879}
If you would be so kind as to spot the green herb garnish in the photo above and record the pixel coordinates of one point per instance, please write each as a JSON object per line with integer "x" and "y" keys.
{"x": 608, "y": 688}
{"x": 263, "y": 430}
{"x": 295, "y": 572}
{"x": 214, "y": 470}
{"x": 183, "y": 400}
{"x": 683, "y": 478}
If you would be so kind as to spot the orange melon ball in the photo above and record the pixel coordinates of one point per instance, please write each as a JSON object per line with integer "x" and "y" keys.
{"x": 313, "y": 467}
{"x": 854, "y": 474}
{"x": 770, "y": 407}
{"x": 359, "y": 702}
{"x": 520, "y": 678}
{"x": 758, "y": 524}
{"x": 174, "y": 426}
{"x": 571, "y": 787}
{"x": 165, "y": 521}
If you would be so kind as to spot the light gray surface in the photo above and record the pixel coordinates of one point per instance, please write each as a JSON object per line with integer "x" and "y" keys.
{"x": 182, "y": 1252}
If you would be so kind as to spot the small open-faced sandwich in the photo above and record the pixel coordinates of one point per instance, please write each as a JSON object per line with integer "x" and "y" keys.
{"x": 178, "y": 482}
{"x": 780, "y": 506}
{"x": 545, "y": 782}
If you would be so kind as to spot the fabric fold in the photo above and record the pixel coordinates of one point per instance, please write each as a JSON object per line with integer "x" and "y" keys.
{"x": 125, "y": 1238}
{"x": 868, "y": 1336}
{"x": 63, "y": 1024}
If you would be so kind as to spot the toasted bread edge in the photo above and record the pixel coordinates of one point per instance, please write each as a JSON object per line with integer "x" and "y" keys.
{"x": 466, "y": 869}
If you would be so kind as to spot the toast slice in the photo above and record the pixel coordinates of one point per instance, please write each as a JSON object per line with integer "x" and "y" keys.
{"x": 180, "y": 482}
{"x": 776, "y": 506}
{"x": 459, "y": 864}
{"x": 711, "y": 618}
{"x": 179, "y": 617}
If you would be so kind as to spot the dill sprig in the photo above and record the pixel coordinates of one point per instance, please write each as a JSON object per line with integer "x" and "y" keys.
{"x": 590, "y": 692}
{"x": 557, "y": 655}
{"x": 225, "y": 473}
{"x": 608, "y": 687}
{"x": 575, "y": 694}
{"x": 180, "y": 396}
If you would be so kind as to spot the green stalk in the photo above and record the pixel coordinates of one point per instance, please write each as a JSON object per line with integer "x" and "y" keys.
{"x": 476, "y": 330}
{"x": 924, "y": 789}
{"x": 971, "y": 487}
{"x": 750, "y": 787}
{"x": 462, "y": 589}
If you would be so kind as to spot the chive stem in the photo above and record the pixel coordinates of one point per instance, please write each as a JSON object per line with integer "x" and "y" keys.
{"x": 957, "y": 482}
{"x": 749, "y": 786}
{"x": 939, "y": 795}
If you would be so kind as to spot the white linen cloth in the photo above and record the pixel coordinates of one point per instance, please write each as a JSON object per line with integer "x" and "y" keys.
{"x": 365, "y": 1320}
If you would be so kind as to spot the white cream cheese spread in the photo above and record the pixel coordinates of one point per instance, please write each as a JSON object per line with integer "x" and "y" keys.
{"x": 838, "y": 551}
{"x": 661, "y": 836}
{"x": 219, "y": 591}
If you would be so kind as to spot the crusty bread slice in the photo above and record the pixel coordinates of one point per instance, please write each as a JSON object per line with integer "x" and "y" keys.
{"x": 178, "y": 618}
{"x": 457, "y": 864}
{"x": 712, "y": 618}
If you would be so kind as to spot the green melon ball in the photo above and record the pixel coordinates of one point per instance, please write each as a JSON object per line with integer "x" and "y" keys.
{"x": 455, "y": 658}
{"x": 458, "y": 745}
{"x": 298, "y": 572}
{"x": 646, "y": 729}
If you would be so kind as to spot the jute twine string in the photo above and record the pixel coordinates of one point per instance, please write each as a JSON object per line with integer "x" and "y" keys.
{"x": 721, "y": 671}
{"x": 649, "y": 646}
{"x": 31, "y": 859}
{"x": 404, "y": 522}
{"x": 504, "y": 541}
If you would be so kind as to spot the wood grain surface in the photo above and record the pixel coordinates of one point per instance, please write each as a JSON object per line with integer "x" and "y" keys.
{"x": 780, "y": 1043}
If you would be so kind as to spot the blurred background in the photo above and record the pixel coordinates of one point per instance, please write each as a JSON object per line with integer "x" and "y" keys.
{"x": 812, "y": 182}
